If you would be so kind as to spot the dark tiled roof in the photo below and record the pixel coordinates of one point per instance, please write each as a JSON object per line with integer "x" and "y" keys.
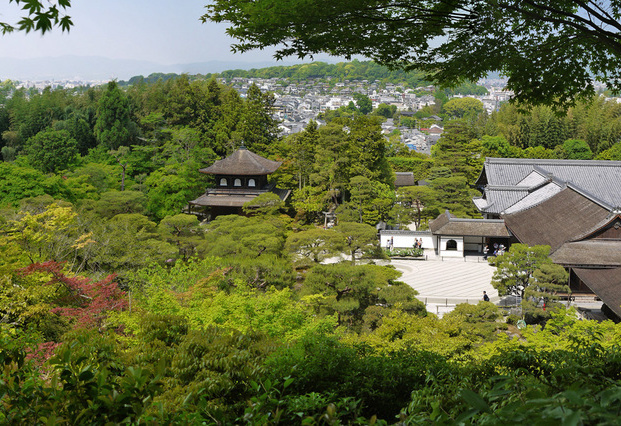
{"x": 606, "y": 283}
{"x": 557, "y": 220}
{"x": 405, "y": 232}
{"x": 225, "y": 199}
{"x": 589, "y": 232}
{"x": 218, "y": 197}
{"x": 447, "y": 224}
{"x": 405, "y": 179}
{"x": 242, "y": 163}
{"x": 282, "y": 193}
{"x": 597, "y": 252}
{"x": 440, "y": 221}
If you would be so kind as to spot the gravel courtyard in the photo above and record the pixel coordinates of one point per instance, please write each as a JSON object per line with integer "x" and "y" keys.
{"x": 443, "y": 284}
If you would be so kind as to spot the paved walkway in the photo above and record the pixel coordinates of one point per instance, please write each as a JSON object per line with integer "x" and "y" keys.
{"x": 443, "y": 284}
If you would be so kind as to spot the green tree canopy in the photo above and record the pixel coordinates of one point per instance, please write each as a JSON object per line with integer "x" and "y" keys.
{"x": 464, "y": 107}
{"x": 369, "y": 201}
{"x": 183, "y": 231}
{"x": 51, "y": 150}
{"x": 128, "y": 241}
{"x": 576, "y": 149}
{"x": 547, "y": 281}
{"x": 550, "y": 50}
{"x": 303, "y": 146}
{"x": 612, "y": 153}
{"x": 241, "y": 236}
{"x": 349, "y": 290}
{"x": 497, "y": 146}
{"x": 515, "y": 268}
{"x": 413, "y": 203}
{"x": 115, "y": 202}
{"x": 267, "y": 203}
{"x": 458, "y": 150}
{"x": 257, "y": 127}
{"x": 113, "y": 127}
{"x": 355, "y": 238}
{"x": 311, "y": 245}
{"x": 385, "y": 110}
{"x": 363, "y": 103}
{"x": 18, "y": 182}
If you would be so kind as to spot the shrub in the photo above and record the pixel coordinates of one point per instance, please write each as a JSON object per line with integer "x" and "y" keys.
{"x": 512, "y": 319}
{"x": 411, "y": 252}
{"x": 382, "y": 382}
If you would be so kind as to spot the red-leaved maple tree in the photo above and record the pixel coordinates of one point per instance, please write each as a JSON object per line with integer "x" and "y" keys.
{"x": 85, "y": 301}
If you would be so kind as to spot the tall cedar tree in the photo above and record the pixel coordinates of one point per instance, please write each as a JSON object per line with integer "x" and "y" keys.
{"x": 113, "y": 125}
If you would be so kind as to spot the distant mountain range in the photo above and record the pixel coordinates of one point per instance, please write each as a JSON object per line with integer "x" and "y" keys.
{"x": 87, "y": 68}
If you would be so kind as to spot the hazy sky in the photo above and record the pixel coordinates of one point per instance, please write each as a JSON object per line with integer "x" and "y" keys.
{"x": 161, "y": 31}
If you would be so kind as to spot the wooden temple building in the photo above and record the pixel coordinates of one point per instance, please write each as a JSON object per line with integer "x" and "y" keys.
{"x": 239, "y": 178}
{"x": 573, "y": 206}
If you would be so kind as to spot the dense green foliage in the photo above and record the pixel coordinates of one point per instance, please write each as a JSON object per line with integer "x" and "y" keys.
{"x": 232, "y": 340}
{"x": 115, "y": 307}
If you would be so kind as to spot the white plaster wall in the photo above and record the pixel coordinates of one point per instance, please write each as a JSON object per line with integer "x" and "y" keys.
{"x": 452, "y": 253}
{"x": 399, "y": 241}
{"x": 427, "y": 241}
{"x": 405, "y": 241}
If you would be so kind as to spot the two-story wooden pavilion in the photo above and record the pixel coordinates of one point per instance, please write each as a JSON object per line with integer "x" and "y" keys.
{"x": 240, "y": 177}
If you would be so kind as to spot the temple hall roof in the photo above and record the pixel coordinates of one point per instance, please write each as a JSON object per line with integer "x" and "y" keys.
{"x": 559, "y": 219}
{"x": 217, "y": 197}
{"x": 404, "y": 179}
{"x": 601, "y": 179}
{"x": 447, "y": 224}
{"x": 242, "y": 163}
{"x": 606, "y": 283}
{"x": 592, "y": 253}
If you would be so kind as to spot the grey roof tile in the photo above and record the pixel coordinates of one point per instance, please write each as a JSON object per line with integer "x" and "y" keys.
{"x": 601, "y": 179}
{"x": 242, "y": 163}
{"x": 500, "y": 198}
{"x": 532, "y": 179}
{"x": 535, "y": 197}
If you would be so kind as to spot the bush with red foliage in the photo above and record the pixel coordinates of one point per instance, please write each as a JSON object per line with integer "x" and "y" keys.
{"x": 85, "y": 301}
{"x": 42, "y": 352}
